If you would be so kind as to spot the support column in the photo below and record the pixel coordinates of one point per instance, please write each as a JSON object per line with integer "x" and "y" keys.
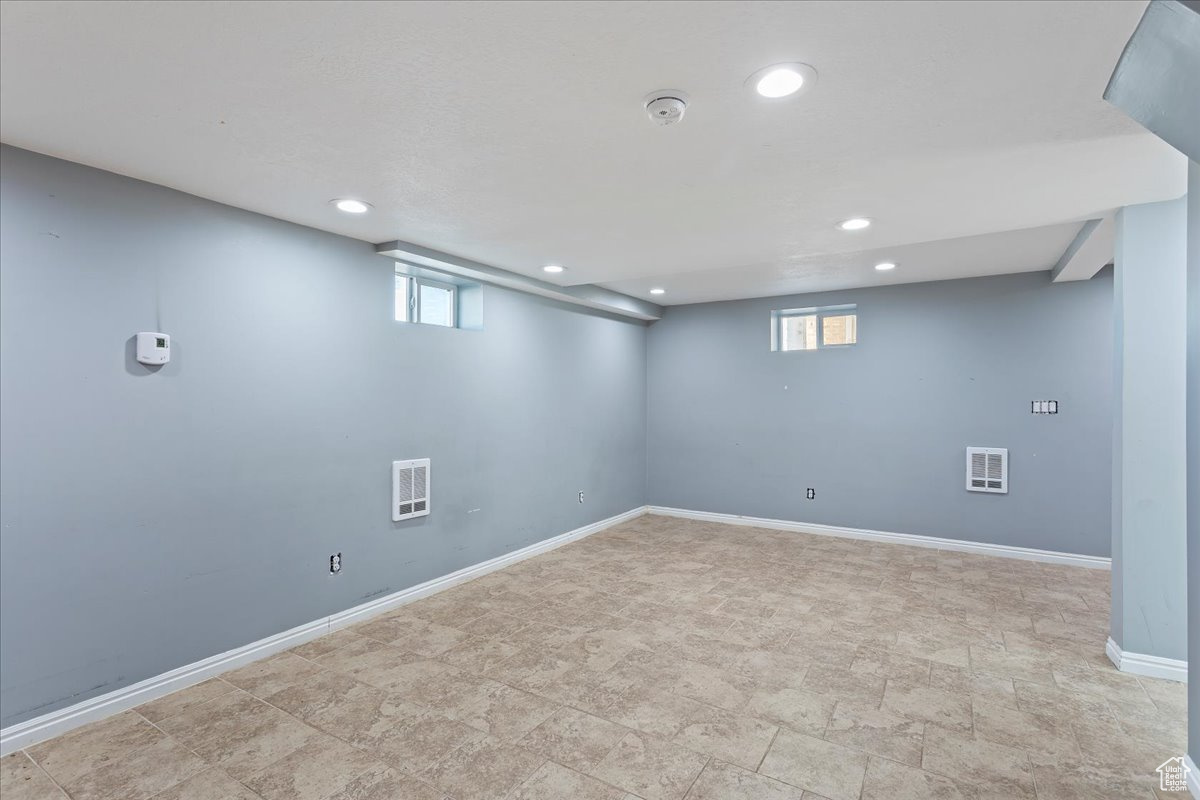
{"x": 1149, "y": 524}
{"x": 1193, "y": 463}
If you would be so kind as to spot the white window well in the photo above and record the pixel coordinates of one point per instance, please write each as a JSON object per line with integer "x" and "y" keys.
{"x": 814, "y": 328}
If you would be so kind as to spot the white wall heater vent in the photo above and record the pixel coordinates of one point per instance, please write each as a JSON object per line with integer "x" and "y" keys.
{"x": 410, "y": 489}
{"x": 987, "y": 469}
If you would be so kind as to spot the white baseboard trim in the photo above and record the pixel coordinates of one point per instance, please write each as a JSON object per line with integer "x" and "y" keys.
{"x": 1193, "y": 776}
{"x": 55, "y": 723}
{"x": 914, "y": 540}
{"x": 1171, "y": 669}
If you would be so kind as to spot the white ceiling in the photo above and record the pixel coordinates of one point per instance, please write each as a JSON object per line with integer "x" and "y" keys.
{"x": 512, "y": 133}
{"x": 1027, "y": 250}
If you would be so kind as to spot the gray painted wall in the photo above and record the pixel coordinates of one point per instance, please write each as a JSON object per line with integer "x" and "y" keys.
{"x": 150, "y": 519}
{"x": 1149, "y": 514}
{"x": 879, "y": 430}
{"x": 1193, "y": 456}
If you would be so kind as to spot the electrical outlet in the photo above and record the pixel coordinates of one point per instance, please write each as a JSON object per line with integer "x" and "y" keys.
{"x": 581, "y": 497}
{"x": 811, "y": 494}
{"x": 335, "y": 563}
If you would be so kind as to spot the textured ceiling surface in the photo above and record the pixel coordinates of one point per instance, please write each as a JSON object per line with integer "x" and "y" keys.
{"x": 974, "y": 134}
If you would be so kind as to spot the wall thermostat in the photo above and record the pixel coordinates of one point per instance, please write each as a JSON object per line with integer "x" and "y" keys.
{"x": 153, "y": 348}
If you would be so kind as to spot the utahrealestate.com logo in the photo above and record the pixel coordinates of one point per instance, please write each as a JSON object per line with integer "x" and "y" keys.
{"x": 1172, "y": 775}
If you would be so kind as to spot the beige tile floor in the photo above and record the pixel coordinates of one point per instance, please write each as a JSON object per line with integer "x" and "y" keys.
{"x": 668, "y": 659}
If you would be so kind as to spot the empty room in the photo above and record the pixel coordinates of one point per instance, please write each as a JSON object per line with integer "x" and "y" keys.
{"x": 599, "y": 400}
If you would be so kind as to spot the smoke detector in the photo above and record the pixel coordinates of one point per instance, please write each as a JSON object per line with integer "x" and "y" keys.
{"x": 665, "y": 107}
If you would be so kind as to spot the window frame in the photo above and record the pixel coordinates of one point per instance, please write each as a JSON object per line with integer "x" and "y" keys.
{"x": 412, "y": 311}
{"x": 779, "y": 333}
{"x": 415, "y": 300}
{"x": 408, "y": 299}
{"x": 779, "y": 315}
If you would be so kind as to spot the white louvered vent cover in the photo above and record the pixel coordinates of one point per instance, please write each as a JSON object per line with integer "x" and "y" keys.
{"x": 987, "y": 469}
{"x": 410, "y": 489}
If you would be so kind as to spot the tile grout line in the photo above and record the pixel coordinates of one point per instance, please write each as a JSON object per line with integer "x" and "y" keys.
{"x": 269, "y": 705}
{"x": 774, "y": 736}
{"x": 49, "y": 777}
{"x": 174, "y": 739}
{"x": 517, "y": 787}
{"x": 617, "y": 744}
{"x": 707, "y": 760}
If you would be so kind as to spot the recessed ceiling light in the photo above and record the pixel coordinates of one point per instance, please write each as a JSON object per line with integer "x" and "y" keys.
{"x": 783, "y": 80}
{"x": 854, "y": 224}
{"x": 657, "y": 290}
{"x": 553, "y": 268}
{"x": 884, "y": 266}
{"x": 352, "y": 206}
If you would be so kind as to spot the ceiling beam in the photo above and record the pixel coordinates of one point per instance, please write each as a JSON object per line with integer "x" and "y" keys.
{"x": 1090, "y": 252}
{"x": 1157, "y": 79}
{"x": 588, "y": 295}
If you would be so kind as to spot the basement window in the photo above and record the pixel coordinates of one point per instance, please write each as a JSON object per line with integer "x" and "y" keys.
{"x": 815, "y": 328}
{"x": 429, "y": 297}
{"x": 426, "y": 301}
